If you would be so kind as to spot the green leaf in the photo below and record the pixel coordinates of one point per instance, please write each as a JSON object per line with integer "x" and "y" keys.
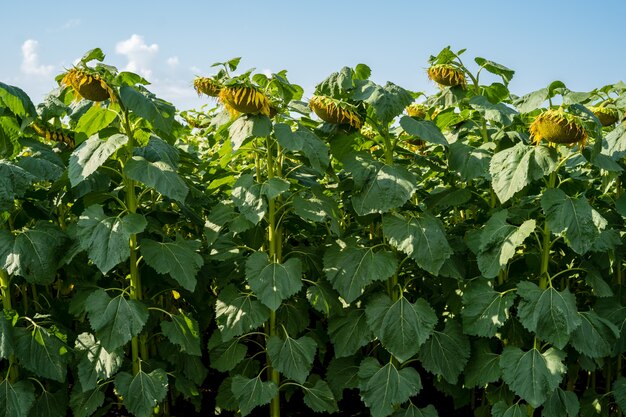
{"x": 16, "y": 399}
{"x": 249, "y": 126}
{"x": 614, "y": 143}
{"x": 237, "y": 313}
{"x": 158, "y": 175}
{"x": 446, "y": 353}
{"x": 422, "y": 238}
{"x": 157, "y": 150}
{"x": 305, "y": 141}
{"x": 561, "y": 404}
{"x": 349, "y": 332}
{"x": 6, "y": 336}
{"x": 424, "y": 130}
{"x": 483, "y": 367}
{"x": 84, "y": 404}
{"x": 95, "y": 362}
{"x": 323, "y": 298}
{"x": 273, "y": 282}
{"x": 33, "y": 253}
{"x": 183, "y": 331}
{"x": 532, "y": 375}
{"x": 251, "y": 393}
{"x": 595, "y": 337}
{"x": 9, "y": 134}
{"x": 41, "y": 353}
{"x": 619, "y": 392}
{"x": 246, "y": 194}
{"x": 499, "y": 242}
{"x": 318, "y": 396}
{"x": 179, "y": 259}
{"x": 413, "y": 411}
{"x": 514, "y": 168}
{"x": 14, "y": 182}
{"x": 502, "y": 409}
{"x": 225, "y": 356}
{"x": 383, "y": 388}
{"x": 94, "y": 120}
{"x": 532, "y": 101}
{"x": 572, "y": 218}
{"x": 317, "y": 208}
{"x": 274, "y": 187}
{"x": 388, "y": 101}
{"x": 387, "y": 187}
{"x": 468, "y": 161}
{"x": 292, "y": 357}
{"x": 484, "y": 309}
{"x": 50, "y": 404}
{"x": 142, "y": 392}
{"x": 550, "y": 314}
{"x": 499, "y": 113}
{"x": 350, "y": 269}
{"x": 159, "y": 115}
{"x": 495, "y": 68}
{"x": 91, "y": 154}
{"x": 106, "y": 238}
{"x": 115, "y": 320}
{"x": 402, "y": 327}
{"x": 342, "y": 374}
{"x": 17, "y": 101}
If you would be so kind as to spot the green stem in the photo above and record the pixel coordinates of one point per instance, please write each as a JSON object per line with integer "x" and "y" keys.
{"x": 546, "y": 244}
{"x": 388, "y": 149}
{"x": 5, "y": 289}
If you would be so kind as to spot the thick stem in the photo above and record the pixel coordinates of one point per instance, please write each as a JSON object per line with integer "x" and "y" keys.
{"x": 546, "y": 244}
{"x": 388, "y": 149}
{"x": 5, "y": 290}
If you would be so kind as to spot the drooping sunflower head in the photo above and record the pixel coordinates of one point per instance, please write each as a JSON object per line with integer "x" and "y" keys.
{"x": 559, "y": 127}
{"x": 244, "y": 99}
{"x": 56, "y": 135}
{"x": 335, "y": 111}
{"x": 417, "y": 110}
{"x": 607, "y": 115}
{"x": 446, "y": 75}
{"x": 206, "y": 85}
{"x": 88, "y": 85}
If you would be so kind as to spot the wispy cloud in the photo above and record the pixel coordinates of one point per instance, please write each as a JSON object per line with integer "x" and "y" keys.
{"x": 173, "y": 62}
{"x": 30, "y": 60}
{"x": 72, "y": 23}
{"x": 139, "y": 54}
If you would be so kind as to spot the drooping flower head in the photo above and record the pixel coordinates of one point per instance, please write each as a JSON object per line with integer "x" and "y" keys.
{"x": 559, "y": 127}
{"x": 336, "y": 111}
{"x": 88, "y": 84}
{"x": 447, "y": 75}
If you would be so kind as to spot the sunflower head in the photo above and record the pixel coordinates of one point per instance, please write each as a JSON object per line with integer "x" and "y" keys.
{"x": 607, "y": 116}
{"x": 88, "y": 85}
{"x": 244, "y": 99}
{"x": 417, "y": 110}
{"x": 52, "y": 134}
{"x": 556, "y": 126}
{"x": 446, "y": 75}
{"x": 206, "y": 85}
{"x": 335, "y": 111}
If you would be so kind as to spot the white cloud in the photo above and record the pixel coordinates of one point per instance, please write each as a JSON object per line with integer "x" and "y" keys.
{"x": 138, "y": 53}
{"x": 72, "y": 23}
{"x": 173, "y": 61}
{"x": 30, "y": 60}
{"x": 195, "y": 70}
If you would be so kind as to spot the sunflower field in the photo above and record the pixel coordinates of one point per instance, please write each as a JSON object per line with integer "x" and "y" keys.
{"x": 366, "y": 251}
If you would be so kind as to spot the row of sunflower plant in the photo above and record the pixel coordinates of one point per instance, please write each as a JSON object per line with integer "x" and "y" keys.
{"x": 368, "y": 251}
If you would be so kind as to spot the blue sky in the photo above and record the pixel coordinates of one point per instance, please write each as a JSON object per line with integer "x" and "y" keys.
{"x": 578, "y": 42}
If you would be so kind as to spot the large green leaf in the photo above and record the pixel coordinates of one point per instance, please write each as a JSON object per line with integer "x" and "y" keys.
{"x": 561, "y": 404}
{"x": 551, "y": 314}
{"x": 305, "y": 141}
{"x": 532, "y": 375}
{"x": 41, "y": 353}
{"x": 502, "y": 409}
{"x": 483, "y": 367}
{"x": 484, "y": 309}
{"x": 9, "y": 137}
{"x": 246, "y": 194}
{"x": 237, "y": 313}
{"x": 158, "y": 150}
{"x": 514, "y": 168}
{"x": 143, "y": 391}
{"x": 249, "y": 126}
{"x": 499, "y": 113}
{"x": 318, "y": 396}
{"x": 422, "y": 238}
{"x": 383, "y": 388}
{"x": 351, "y": 268}
{"x": 273, "y": 282}
{"x": 95, "y": 362}
{"x": 446, "y": 352}
{"x": 323, "y": 298}
{"x": 14, "y": 182}
{"x": 91, "y": 154}
{"x": 16, "y": 399}
{"x": 159, "y": 114}
{"x": 401, "y": 326}
{"x": 292, "y": 357}
{"x": 388, "y": 101}
{"x": 94, "y": 120}
{"x": 106, "y": 238}
{"x": 115, "y": 320}
{"x": 225, "y": 356}
{"x": 33, "y": 253}
{"x": 499, "y": 241}
{"x": 619, "y": 392}
{"x": 158, "y": 175}
{"x": 468, "y": 161}
{"x": 84, "y": 404}
{"x": 595, "y": 337}
{"x": 342, "y": 374}
{"x": 495, "y": 68}
{"x": 16, "y": 100}
{"x": 573, "y": 218}
{"x": 50, "y": 404}
{"x": 179, "y": 259}
{"x": 183, "y": 331}
{"x": 413, "y": 411}
{"x": 424, "y": 130}
{"x": 349, "y": 332}
{"x": 252, "y": 392}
